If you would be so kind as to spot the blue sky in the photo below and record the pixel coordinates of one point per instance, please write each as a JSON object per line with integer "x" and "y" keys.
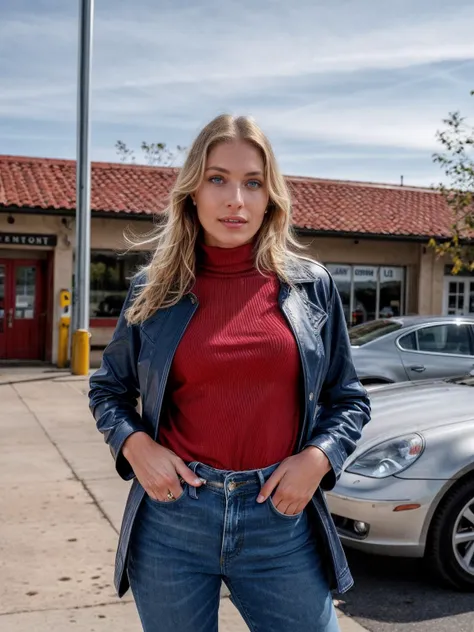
{"x": 349, "y": 89}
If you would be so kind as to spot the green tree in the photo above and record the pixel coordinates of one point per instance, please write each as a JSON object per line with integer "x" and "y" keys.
{"x": 153, "y": 154}
{"x": 457, "y": 161}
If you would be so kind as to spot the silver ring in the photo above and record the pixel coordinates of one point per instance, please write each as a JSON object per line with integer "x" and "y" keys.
{"x": 170, "y": 496}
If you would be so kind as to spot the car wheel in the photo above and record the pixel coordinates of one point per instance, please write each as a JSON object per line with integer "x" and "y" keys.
{"x": 450, "y": 551}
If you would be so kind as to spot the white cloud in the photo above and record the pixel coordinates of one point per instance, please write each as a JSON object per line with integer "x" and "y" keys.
{"x": 409, "y": 127}
{"x": 291, "y": 40}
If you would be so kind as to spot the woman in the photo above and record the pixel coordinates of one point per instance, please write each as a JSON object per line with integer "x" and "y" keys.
{"x": 250, "y": 404}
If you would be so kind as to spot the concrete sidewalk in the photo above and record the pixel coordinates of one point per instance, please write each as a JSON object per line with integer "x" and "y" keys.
{"x": 61, "y": 510}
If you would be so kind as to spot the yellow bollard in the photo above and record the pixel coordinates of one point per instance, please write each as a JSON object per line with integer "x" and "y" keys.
{"x": 64, "y": 323}
{"x": 80, "y": 352}
{"x": 63, "y": 343}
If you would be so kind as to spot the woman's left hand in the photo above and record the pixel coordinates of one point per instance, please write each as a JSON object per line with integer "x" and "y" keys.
{"x": 296, "y": 480}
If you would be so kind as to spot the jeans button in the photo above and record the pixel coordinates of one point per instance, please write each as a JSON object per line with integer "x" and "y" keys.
{"x": 231, "y": 486}
{"x": 311, "y": 396}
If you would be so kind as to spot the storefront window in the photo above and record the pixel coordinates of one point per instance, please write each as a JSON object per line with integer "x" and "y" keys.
{"x": 342, "y": 276}
{"x": 110, "y": 280}
{"x": 365, "y": 294}
{"x": 391, "y": 283}
{"x": 369, "y": 292}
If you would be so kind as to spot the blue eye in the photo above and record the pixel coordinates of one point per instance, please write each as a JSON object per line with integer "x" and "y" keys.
{"x": 216, "y": 179}
{"x": 254, "y": 184}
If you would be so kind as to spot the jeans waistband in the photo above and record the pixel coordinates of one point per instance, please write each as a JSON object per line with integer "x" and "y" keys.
{"x": 230, "y": 480}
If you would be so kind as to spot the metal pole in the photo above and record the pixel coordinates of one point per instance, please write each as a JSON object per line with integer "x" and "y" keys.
{"x": 80, "y": 346}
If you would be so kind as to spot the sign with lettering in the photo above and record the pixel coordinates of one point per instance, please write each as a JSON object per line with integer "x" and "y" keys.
{"x": 365, "y": 273}
{"x": 391, "y": 274}
{"x": 340, "y": 272}
{"x": 19, "y": 239}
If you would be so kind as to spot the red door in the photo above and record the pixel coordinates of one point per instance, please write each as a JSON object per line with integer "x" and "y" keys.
{"x": 22, "y": 317}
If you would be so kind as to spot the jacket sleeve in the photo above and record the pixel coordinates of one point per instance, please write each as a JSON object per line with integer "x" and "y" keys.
{"x": 114, "y": 390}
{"x": 344, "y": 406}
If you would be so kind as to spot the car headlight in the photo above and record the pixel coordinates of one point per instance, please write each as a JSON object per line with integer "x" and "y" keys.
{"x": 388, "y": 458}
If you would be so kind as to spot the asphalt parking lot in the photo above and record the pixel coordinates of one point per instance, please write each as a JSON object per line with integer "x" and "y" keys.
{"x": 396, "y": 595}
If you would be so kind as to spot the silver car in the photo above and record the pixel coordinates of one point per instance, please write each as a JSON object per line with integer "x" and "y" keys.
{"x": 408, "y": 490}
{"x": 413, "y": 348}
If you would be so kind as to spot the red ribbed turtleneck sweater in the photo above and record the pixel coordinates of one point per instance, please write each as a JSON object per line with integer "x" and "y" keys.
{"x": 233, "y": 391}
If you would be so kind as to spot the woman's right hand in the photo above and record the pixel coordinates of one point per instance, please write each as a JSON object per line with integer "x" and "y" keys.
{"x": 157, "y": 468}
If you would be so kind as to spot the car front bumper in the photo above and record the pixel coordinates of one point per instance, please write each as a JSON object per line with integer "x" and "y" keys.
{"x": 374, "y": 501}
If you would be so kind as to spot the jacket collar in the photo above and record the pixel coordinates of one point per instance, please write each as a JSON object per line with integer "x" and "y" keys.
{"x": 301, "y": 270}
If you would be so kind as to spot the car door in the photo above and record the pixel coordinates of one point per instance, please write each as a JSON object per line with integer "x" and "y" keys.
{"x": 438, "y": 350}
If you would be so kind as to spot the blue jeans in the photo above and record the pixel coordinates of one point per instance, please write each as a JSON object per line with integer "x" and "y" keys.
{"x": 181, "y": 550}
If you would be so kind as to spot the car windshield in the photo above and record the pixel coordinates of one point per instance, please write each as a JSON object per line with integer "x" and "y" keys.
{"x": 367, "y": 332}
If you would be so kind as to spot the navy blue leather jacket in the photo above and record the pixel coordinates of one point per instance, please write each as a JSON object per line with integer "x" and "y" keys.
{"x": 137, "y": 362}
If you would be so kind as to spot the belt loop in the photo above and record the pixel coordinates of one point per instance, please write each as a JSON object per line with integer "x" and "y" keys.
{"x": 261, "y": 478}
{"x": 192, "y": 491}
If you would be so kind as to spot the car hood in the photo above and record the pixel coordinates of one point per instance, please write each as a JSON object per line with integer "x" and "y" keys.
{"x": 415, "y": 406}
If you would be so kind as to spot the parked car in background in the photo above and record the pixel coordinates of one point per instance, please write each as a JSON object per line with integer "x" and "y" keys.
{"x": 408, "y": 489}
{"x": 413, "y": 348}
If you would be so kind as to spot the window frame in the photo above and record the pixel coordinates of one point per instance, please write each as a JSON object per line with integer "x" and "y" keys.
{"x": 406, "y": 335}
{"x": 459, "y": 323}
{"x": 404, "y": 284}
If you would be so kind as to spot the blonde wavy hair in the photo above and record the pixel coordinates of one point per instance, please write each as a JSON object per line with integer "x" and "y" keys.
{"x": 170, "y": 274}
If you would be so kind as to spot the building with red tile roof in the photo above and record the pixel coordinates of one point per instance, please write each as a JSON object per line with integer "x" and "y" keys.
{"x": 372, "y": 237}
{"x": 325, "y": 206}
